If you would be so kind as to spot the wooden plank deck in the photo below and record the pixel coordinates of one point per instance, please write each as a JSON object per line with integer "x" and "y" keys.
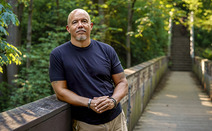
{"x": 180, "y": 105}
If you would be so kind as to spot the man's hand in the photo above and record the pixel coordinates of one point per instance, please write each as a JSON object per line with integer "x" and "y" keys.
{"x": 101, "y": 104}
{"x": 104, "y": 103}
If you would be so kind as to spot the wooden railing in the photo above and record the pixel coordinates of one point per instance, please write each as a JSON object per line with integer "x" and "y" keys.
{"x": 49, "y": 114}
{"x": 203, "y": 69}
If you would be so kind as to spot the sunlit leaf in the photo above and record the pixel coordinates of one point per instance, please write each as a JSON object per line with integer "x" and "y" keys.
{"x": 1, "y": 69}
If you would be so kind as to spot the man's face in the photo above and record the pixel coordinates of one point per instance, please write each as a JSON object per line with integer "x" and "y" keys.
{"x": 79, "y": 25}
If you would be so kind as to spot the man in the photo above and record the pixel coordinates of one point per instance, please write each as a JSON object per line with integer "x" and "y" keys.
{"x": 83, "y": 73}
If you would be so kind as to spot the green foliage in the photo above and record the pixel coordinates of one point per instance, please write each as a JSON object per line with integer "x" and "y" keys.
{"x": 204, "y": 52}
{"x": 203, "y": 43}
{"x": 203, "y": 27}
{"x": 150, "y": 30}
{"x": 116, "y": 20}
{"x": 207, "y": 53}
{"x": 202, "y": 12}
{"x": 34, "y": 81}
{"x": 8, "y": 52}
{"x": 5, "y": 91}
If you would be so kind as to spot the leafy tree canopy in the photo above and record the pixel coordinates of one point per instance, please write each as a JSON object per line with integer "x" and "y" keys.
{"x": 8, "y": 53}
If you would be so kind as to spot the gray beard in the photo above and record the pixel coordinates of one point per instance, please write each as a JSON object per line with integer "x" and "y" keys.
{"x": 81, "y": 38}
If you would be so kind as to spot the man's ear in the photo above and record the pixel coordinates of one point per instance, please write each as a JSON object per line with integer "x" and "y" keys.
{"x": 67, "y": 28}
{"x": 91, "y": 25}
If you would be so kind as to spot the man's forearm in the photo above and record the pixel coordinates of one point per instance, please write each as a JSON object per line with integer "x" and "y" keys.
{"x": 72, "y": 98}
{"x": 121, "y": 88}
{"x": 120, "y": 91}
{"x": 64, "y": 94}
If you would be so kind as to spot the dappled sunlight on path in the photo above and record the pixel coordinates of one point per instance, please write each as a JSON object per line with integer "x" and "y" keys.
{"x": 180, "y": 105}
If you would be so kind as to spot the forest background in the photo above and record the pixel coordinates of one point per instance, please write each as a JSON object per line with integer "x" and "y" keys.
{"x": 137, "y": 29}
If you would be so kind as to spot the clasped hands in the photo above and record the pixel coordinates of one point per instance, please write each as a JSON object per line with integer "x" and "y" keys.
{"x": 101, "y": 104}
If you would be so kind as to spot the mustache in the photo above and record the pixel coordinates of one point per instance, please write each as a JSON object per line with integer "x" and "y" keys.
{"x": 78, "y": 30}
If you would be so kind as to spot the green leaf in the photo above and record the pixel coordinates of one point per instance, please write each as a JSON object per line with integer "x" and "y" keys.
{"x": 1, "y": 69}
{"x": 3, "y": 30}
{"x": 1, "y": 7}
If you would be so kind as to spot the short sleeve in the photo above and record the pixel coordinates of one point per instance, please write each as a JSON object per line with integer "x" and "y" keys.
{"x": 116, "y": 66}
{"x": 56, "y": 70}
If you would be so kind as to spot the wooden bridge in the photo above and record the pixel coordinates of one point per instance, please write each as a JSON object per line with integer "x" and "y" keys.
{"x": 180, "y": 102}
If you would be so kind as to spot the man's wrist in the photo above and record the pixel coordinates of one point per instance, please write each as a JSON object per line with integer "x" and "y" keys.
{"x": 114, "y": 101}
{"x": 89, "y": 103}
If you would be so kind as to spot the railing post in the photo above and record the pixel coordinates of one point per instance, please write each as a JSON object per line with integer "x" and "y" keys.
{"x": 192, "y": 35}
{"x": 129, "y": 105}
{"x": 170, "y": 34}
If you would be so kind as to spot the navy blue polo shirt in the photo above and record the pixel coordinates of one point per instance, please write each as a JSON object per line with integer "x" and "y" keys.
{"x": 88, "y": 72}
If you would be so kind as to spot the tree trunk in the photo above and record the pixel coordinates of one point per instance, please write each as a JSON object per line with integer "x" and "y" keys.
{"x": 129, "y": 28}
{"x": 101, "y": 11}
{"x": 12, "y": 39}
{"x": 102, "y": 21}
{"x": 29, "y": 33}
{"x": 58, "y": 14}
{"x": 20, "y": 16}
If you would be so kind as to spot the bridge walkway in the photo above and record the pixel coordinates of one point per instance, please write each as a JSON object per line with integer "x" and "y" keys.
{"x": 179, "y": 104}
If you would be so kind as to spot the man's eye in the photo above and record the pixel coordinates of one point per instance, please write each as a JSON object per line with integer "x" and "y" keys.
{"x": 84, "y": 21}
{"x": 74, "y": 22}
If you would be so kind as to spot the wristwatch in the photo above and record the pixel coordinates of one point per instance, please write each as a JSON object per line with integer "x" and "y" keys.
{"x": 89, "y": 103}
{"x": 114, "y": 101}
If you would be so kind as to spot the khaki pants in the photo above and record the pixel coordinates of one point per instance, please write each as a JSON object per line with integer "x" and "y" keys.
{"x": 117, "y": 124}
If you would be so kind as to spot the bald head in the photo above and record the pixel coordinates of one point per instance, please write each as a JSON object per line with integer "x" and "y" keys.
{"x": 77, "y": 10}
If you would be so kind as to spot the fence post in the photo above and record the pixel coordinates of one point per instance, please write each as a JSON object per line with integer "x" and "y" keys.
{"x": 129, "y": 106}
